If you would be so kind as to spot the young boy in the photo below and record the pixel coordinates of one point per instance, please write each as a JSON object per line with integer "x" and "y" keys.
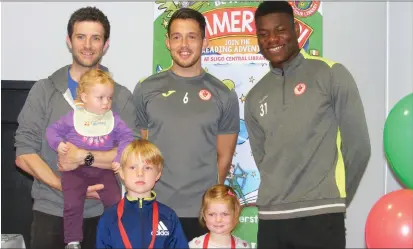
{"x": 138, "y": 220}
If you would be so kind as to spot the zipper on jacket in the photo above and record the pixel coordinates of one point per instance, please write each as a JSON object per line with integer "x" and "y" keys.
{"x": 141, "y": 218}
{"x": 283, "y": 75}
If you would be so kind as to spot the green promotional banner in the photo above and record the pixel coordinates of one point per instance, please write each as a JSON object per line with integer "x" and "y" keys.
{"x": 234, "y": 57}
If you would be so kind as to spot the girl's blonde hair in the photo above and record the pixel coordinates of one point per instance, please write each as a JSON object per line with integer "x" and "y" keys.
{"x": 91, "y": 78}
{"x": 222, "y": 193}
{"x": 143, "y": 150}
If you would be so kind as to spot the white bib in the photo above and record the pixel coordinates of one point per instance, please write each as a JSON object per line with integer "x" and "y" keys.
{"x": 93, "y": 125}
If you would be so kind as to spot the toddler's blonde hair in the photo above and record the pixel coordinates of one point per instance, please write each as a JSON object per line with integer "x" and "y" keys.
{"x": 91, "y": 78}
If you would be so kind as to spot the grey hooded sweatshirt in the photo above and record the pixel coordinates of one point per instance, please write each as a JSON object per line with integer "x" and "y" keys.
{"x": 48, "y": 100}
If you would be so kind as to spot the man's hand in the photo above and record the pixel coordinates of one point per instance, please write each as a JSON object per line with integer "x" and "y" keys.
{"x": 92, "y": 191}
{"x": 73, "y": 158}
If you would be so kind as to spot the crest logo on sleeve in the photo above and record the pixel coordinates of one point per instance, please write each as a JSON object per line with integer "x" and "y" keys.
{"x": 299, "y": 89}
{"x": 305, "y": 8}
{"x": 205, "y": 94}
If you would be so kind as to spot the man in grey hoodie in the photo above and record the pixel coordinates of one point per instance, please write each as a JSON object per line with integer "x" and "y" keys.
{"x": 308, "y": 136}
{"x": 88, "y": 38}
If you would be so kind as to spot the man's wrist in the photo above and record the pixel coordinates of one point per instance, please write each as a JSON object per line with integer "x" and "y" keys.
{"x": 89, "y": 159}
{"x": 82, "y": 155}
{"x": 58, "y": 183}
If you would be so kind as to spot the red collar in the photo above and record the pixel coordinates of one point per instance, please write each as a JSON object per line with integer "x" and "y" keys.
{"x": 206, "y": 241}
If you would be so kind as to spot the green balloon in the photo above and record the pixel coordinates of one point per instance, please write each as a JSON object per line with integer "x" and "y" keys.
{"x": 398, "y": 140}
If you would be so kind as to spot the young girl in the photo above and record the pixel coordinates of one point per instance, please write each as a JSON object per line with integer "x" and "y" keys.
{"x": 220, "y": 211}
{"x": 90, "y": 126}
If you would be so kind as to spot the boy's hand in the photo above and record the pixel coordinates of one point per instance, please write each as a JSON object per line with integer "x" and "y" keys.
{"x": 62, "y": 148}
{"x": 116, "y": 167}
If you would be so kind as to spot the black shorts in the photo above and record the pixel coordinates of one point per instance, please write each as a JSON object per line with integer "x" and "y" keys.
{"x": 319, "y": 231}
{"x": 192, "y": 228}
{"x": 47, "y": 232}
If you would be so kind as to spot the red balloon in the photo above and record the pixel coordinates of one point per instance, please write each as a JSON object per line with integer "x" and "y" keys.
{"x": 390, "y": 221}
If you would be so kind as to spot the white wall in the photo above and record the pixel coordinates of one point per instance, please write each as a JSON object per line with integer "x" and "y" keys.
{"x": 358, "y": 40}
{"x": 33, "y": 42}
{"x": 400, "y": 64}
{"x": 373, "y": 39}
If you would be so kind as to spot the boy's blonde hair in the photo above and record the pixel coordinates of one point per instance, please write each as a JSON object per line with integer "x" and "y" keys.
{"x": 91, "y": 78}
{"x": 144, "y": 150}
{"x": 223, "y": 193}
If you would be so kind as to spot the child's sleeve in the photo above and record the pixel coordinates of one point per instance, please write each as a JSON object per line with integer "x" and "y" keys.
{"x": 177, "y": 238}
{"x": 103, "y": 240}
{"x": 55, "y": 133}
{"x": 124, "y": 136}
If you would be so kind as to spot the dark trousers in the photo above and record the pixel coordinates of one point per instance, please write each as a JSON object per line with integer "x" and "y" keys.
{"x": 74, "y": 185}
{"x": 320, "y": 231}
{"x": 47, "y": 232}
{"x": 192, "y": 228}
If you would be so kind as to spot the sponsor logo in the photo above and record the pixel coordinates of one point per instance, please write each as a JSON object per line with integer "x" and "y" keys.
{"x": 162, "y": 230}
{"x": 167, "y": 94}
{"x": 305, "y": 8}
{"x": 264, "y": 98}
